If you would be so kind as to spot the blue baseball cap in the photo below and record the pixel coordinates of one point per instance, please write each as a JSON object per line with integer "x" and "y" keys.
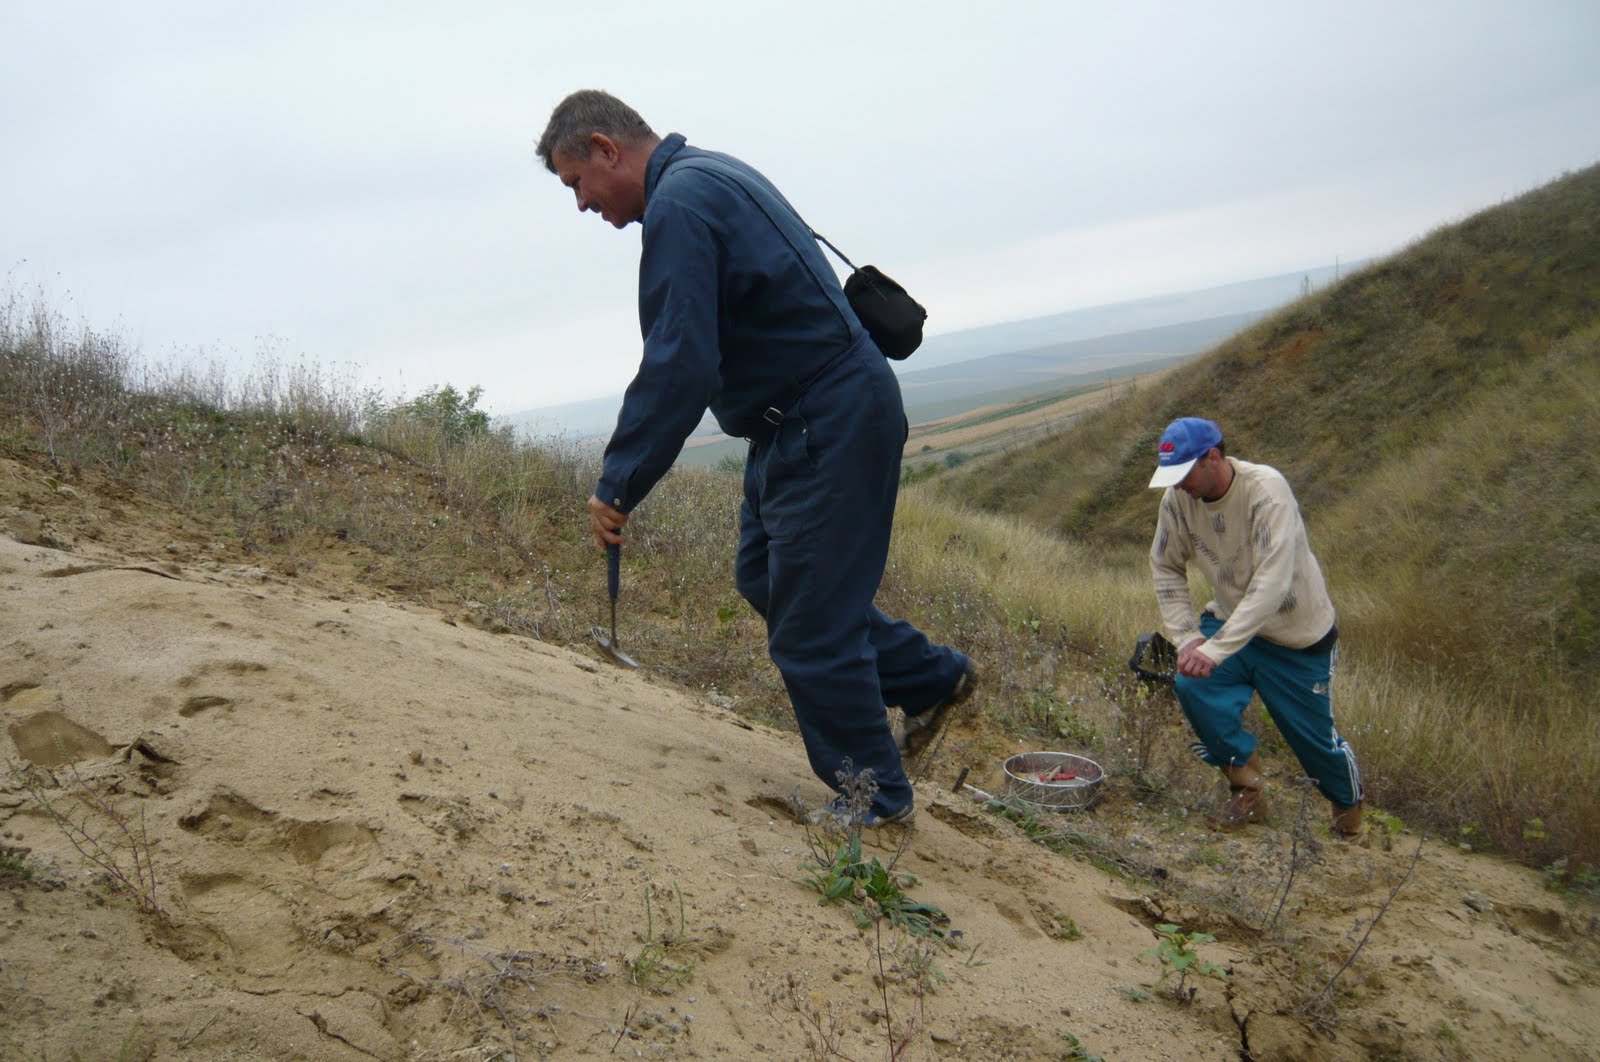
{"x": 1185, "y": 441}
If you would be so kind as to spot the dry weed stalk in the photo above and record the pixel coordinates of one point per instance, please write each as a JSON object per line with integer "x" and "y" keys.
{"x": 897, "y": 1048}
{"x": 1321, "y": 1009}
{"x": 138, "y": 878}
{"x": 1302, "y": 849}
{"x": 489, "y": 989}
{"x": 824, "y": 1029}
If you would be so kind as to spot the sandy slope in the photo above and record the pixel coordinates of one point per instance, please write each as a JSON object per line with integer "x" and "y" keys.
{"x": 381, "y": 833}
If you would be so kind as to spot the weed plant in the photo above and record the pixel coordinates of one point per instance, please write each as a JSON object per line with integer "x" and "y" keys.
{"x": 658, "y": 966}
{"x": 501, "y": 993}
{"x": 1076, "y": 1051}
{"x": 876, "y": 893}
{"x": 109, "y": 841}
{"x": 872, "y": 890}
{"x": 15, "y": 866}
{"x": 1176, "y": 953}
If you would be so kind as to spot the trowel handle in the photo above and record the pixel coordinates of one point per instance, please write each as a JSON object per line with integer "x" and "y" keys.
{"x": 613, "y": 568}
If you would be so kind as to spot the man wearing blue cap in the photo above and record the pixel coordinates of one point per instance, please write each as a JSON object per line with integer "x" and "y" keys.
{"x": 1268, "y": 630}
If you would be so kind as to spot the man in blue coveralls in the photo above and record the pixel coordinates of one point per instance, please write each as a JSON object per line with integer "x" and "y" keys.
{"x": 741, "y": 312}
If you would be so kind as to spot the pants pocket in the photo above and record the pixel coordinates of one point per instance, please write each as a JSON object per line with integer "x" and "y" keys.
{"x": 793, "y": 445}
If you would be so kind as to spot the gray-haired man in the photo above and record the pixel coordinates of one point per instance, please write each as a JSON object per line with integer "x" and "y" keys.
{"x": 741, "y": 312}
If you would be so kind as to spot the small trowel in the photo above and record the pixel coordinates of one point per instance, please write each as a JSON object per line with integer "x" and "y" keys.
{"x": 608, "y": 646}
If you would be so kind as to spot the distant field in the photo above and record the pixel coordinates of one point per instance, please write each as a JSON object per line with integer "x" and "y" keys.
{"x": 992, "y": 427}
{"x": 999, "y": 423}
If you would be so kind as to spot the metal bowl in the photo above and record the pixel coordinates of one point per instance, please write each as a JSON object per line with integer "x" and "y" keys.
{"x": 1025, "y": 771}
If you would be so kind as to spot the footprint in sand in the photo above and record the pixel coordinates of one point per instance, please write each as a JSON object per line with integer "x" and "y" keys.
{"x": 48, "y": 738}
{"x": 229, "y": 818}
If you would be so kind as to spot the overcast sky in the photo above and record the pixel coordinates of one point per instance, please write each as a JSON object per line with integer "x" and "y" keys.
{"x": 355, "y": 183}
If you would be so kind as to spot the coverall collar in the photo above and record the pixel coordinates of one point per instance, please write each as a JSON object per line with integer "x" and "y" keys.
{"x": 659, "y": 160}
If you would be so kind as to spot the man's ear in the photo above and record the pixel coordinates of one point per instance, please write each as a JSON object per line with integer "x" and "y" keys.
{"x": 605, "y": 147}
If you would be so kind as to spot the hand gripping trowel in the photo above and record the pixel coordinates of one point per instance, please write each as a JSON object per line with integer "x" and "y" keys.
{"x": 608, "y": 646}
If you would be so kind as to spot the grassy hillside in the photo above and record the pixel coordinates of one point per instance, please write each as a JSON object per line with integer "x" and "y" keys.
{"x": 1436, "y": 414}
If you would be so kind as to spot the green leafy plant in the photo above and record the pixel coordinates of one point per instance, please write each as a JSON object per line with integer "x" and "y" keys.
{"x": 871, "y": 889}
{"x": 1562, "y": 877}
{"x": 1076, "y": 1052}
{"x": 1389, "y": 825}
{"x": 656, "y": 963}
{"x": 840, "y": 873}
{"x": 656, "y": 966}
{"x": 1177, "y": 956}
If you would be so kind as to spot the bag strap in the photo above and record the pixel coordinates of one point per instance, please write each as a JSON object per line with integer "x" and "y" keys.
{"x": 826, "y": 243}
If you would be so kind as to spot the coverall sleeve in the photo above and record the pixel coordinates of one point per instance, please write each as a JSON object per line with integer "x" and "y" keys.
{"x": 1274, "y": 521}
{"x": 679, "y": 289}
{"x": 1169, "y": 568}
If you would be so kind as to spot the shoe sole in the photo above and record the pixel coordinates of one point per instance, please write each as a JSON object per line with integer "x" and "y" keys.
{"x": 1227, "y": 821}
{"x": 904, "y": 819}
{"x": 915, "y": 741}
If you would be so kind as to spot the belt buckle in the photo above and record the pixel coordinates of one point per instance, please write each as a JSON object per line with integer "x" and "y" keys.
{"x": 773, "y": 416}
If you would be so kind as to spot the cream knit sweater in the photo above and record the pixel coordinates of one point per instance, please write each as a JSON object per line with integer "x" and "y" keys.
{"x": 1251, "y": 546}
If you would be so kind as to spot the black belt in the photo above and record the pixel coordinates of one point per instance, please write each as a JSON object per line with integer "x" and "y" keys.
{"x": 764, "y": 429}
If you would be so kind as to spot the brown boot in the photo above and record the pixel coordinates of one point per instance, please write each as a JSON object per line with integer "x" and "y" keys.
{"x": 1349, "y": 825}
{"x": 1247, "y": 800}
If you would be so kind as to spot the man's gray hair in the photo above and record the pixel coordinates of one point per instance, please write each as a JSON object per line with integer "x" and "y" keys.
{"x": 584, "y": 113}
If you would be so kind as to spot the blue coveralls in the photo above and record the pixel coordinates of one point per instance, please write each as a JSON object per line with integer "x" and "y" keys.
{"x": 741, "y": 312}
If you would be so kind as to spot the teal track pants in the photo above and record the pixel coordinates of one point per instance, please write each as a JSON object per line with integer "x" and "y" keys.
{"x": 1296, "y": 687}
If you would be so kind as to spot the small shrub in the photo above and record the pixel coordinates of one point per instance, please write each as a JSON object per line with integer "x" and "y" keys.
{"x": 1177, "y": 956}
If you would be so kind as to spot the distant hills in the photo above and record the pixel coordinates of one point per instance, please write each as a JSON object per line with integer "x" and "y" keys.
{"x": 959, "y": 371}
{"x": 960, "y": 386}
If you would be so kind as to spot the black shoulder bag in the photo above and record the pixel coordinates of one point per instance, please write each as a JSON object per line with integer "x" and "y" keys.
{"x": 889, "y": 314}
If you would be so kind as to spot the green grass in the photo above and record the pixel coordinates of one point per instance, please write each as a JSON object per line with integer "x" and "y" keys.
{"x": 15, "y": 867}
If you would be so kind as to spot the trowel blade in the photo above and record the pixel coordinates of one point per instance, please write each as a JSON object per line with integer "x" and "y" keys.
{"x": 611, "y": 652}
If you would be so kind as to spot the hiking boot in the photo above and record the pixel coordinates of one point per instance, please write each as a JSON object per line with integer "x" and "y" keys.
{"x": 1350, "y": 825}
{"x": 836, "y": 814}
{"x": 916, "y": 732}
{"x": 1247, "y": 796}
